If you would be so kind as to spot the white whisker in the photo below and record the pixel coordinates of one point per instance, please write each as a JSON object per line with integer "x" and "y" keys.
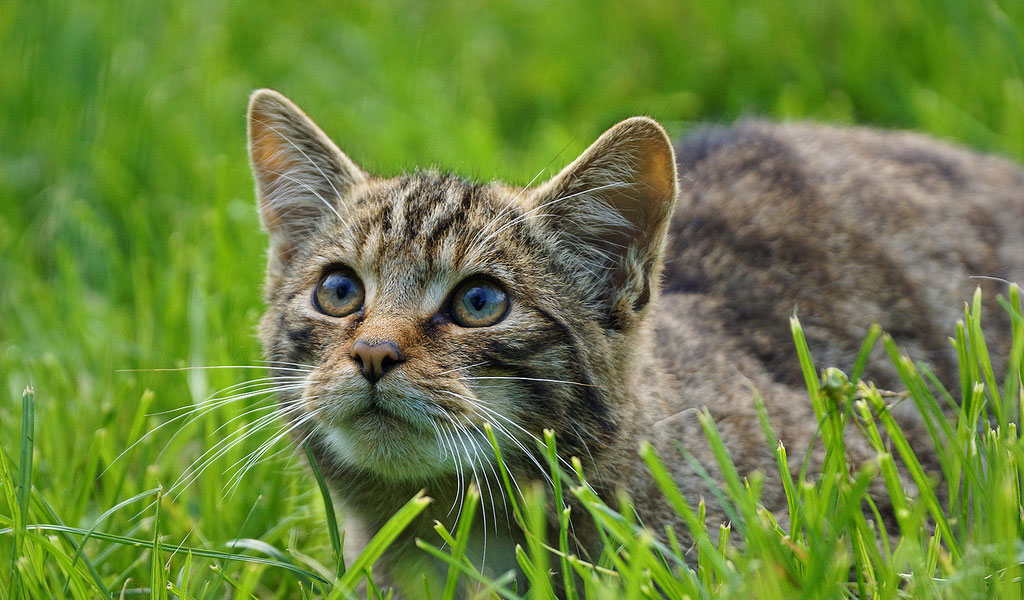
{"x": 463, "y": 368}
{"x": 491, "y": 414}
{"x": 508, "y": 206}
{"x": 253, "y": 457}
{"x": 196, "y": 411}
{"x": 200, "y": 368}
{"x": 457, "y": 504}
{"x": 534, "y": 379}
{"x": 224, "y": 445}
{"x": 286, "y": 363}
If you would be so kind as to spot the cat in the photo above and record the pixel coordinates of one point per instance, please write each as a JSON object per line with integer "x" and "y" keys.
{"x": 610, "y": 304}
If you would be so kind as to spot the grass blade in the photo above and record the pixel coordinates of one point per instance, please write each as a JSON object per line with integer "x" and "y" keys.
{"x": 384, "y": 538}
{"x": 332, "y": 519}
{"x": 24, "y": 489}
{"x": 874, "y": 332}
{"x": 461, "y": 539}
{"x": 201, "y": 552}
{"x": 158, "y": 577}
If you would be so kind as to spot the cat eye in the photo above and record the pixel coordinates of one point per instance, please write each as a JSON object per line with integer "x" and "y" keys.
{"x": 478, "y": 303}
{"x": 338, "y": 294}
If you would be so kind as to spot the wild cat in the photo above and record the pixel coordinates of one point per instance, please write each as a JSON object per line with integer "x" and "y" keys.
{"x": 610, "y": 304}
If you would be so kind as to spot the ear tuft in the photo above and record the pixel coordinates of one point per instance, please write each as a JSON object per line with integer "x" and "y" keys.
{"x": 301, "y": 176}
{"x": 610, "y": 208}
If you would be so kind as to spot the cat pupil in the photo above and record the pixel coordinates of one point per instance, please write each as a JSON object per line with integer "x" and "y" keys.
{"x": 477, "y": 298}
{"x": 344, "y": 288}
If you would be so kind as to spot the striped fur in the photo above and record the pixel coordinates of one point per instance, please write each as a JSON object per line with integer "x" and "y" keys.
{"x": 836, "y": 222}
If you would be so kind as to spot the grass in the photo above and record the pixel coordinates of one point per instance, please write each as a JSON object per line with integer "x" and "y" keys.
{"x": 128, "y": 240}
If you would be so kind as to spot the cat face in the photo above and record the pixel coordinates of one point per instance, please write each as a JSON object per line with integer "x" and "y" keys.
{"x": 426, "y": 306}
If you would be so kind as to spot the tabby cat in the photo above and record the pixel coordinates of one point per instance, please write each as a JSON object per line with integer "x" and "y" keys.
{"x": 609, "y": 304}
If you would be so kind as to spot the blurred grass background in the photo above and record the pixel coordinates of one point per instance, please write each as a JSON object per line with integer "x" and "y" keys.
{"x": 128, "y": 237}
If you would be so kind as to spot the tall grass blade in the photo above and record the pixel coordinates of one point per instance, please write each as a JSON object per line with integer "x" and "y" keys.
{"x": 28, "y": 412}
{"x": 332, "y": 520}
{"x": 158, "y": 576}
{"x": 382, "y": 539}
{"x": 461, "y": 540}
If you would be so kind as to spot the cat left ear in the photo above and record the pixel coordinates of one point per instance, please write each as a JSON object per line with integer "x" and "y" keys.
{"x": 301, "y": 176}
{"x": 610, "y": 210}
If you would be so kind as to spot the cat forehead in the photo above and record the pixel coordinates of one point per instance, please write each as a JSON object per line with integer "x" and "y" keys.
{"x": 428, "y": 222}
{"x": 423, "y": 205}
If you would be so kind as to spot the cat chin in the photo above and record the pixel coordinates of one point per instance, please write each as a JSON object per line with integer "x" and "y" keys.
{"x": 389, "y": 449}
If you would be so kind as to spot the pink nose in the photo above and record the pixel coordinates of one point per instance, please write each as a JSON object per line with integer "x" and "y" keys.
{"x": 376, "y": 360}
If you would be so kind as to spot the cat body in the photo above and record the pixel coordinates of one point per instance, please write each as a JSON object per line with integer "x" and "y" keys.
{"x": 610, "y": 304}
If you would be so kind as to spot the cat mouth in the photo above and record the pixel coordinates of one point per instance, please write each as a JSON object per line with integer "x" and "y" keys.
{"x": 390, "y": 434}
{"x": 377, "y": 412}
{"x": 386, "y": 408}
{"x": 391, "y": 413}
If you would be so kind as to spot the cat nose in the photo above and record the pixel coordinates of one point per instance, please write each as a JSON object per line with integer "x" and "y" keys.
{"x": 376, "y": 360}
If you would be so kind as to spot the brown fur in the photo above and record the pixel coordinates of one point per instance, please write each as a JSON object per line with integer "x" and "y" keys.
{"x": 844, "y": 226}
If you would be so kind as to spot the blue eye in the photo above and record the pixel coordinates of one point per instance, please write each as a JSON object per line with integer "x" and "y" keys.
{"x": 338, "y": 294}
{"x": 479, "y": 303}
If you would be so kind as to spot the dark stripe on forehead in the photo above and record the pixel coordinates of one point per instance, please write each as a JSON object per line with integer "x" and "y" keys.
{"x": 447, "y": 214}
{"x": 394, "y": 203}
{"x": 417, "y": 200}
{"x": 482, "y": 228}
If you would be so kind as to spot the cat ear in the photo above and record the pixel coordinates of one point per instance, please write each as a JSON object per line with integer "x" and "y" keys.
{"x": 610, "y": 209}
{"x": 301, "y": 176}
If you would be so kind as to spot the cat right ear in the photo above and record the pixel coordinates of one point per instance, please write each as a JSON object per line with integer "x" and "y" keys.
{"x": 301, "y": 176}
{"x": 609, "y": 210}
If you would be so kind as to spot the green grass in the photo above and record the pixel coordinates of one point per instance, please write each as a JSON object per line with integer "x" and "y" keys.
{"x": 128, "y": 240}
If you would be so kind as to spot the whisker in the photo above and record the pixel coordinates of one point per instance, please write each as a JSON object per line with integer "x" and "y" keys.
{"x": 196, "y": 411}
{"x": 492, "y": 414}
{"x": 478, "y": 449}
{"x": 497, "y": 415}
{"x": 199, "y": 368}
{"x": 472, "y": 465}
{"x": 497, "y": 482}
{"x": 223, "y": 446}
{"x": 274, "y": 407}
{"x": 463, "y": 368}
{"x": 534, "y": 379}
{"x": 526, "y": 215}
{"x": 205, "y": 407}
{"x": 315, "y": 193}
{"x": 508, "y": 206}
{"x": 286, "y": 363}
{"x": 251, "y": 388}
{"x": 583, "y": 440}
{"x": 253, "y": 457}
{"x": 458, "y": 474}
{"x": 490, "y": 498}
{"x": 441, "y": 453}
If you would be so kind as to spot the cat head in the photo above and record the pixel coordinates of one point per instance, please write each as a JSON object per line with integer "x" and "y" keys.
{"x": 424, "y": 306}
